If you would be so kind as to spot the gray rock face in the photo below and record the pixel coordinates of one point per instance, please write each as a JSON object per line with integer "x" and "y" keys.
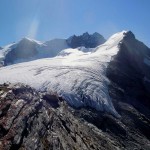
{"x": 86, "y": 40}
{"x": 128, "y": 71}
{"x": 128, "y": 91}
{"x": 30, "y": 120}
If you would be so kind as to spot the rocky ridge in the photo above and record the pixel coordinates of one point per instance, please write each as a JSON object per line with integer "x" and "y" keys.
{"x": 31, "y": 120}
{"x": 86, "y": 40}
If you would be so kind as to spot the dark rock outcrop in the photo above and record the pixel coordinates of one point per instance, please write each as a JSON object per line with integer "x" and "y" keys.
{"x": 86, "y": 40}
{"x": 127, "y": 71}
{"x": 31, "y": 120}
{"x": 127, "y": 89}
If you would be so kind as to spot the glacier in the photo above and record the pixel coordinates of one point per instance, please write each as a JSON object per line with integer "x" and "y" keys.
{"x": 79, "y": 76}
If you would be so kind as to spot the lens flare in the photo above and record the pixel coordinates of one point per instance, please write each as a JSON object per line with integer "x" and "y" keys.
{"x": 33, "y": 29}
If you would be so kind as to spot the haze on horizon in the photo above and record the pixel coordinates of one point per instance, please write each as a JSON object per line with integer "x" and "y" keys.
{"x": 47, "y": 19}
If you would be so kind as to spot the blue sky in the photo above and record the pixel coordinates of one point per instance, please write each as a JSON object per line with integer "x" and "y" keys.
{"x": 48, "y": 19}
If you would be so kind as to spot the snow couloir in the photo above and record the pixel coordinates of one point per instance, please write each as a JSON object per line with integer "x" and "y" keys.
{"x": 78, "y": 76}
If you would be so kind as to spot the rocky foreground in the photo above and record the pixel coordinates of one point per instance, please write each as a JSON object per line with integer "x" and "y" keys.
{"x": 30, "y": 120}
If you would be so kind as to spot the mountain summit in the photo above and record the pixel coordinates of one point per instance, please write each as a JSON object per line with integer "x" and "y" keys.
{"x": 86, "y": 40}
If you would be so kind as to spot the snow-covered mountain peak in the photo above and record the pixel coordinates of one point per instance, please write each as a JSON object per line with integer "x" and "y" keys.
{"x": 111, "y": 46}
{"x": 76, "y": 75}
{"x": 79, "y": 75}
{"x": 28, "y": 49}
{"x": 118, "y": 35}
{"x": 28, "y": 40}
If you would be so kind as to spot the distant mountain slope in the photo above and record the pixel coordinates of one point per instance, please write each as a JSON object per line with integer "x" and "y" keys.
{"x": 27, "y": 49}
{"x": 22, "y": 50}
{"x": 52, "y": 48}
